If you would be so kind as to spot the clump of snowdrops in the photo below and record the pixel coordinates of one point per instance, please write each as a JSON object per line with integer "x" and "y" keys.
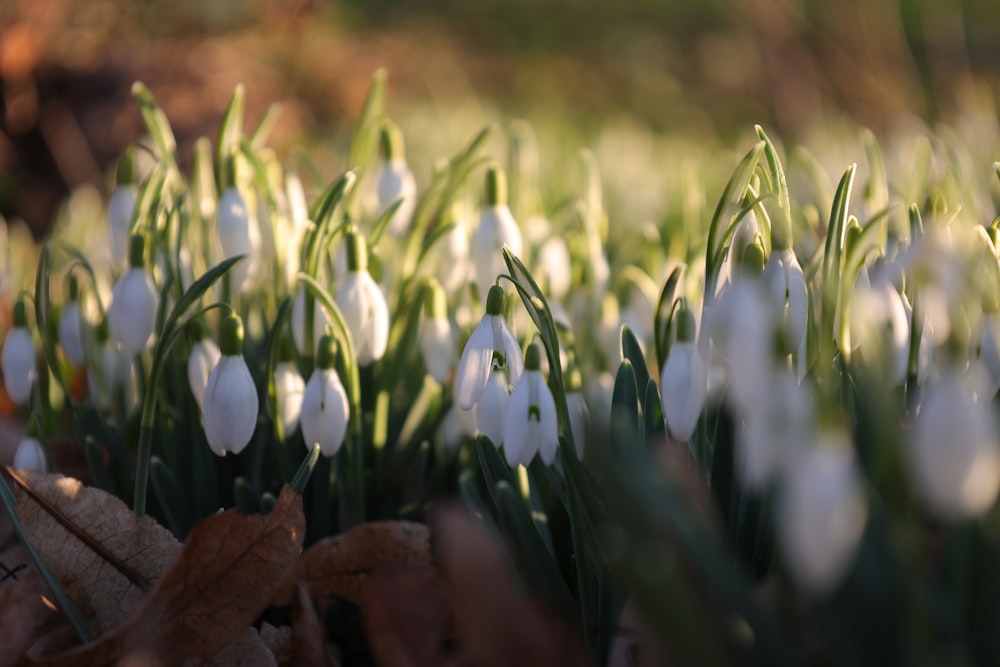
{"x": 766, "y": 430}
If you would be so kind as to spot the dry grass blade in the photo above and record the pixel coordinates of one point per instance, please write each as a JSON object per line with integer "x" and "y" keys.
{"x": 105, "y": 556}
{"x": 339, "y": 566}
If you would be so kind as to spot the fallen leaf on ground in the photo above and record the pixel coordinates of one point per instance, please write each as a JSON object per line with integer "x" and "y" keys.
{"x": 340, "y": 565}
{"x": 496, "y": 621}
{"x": 408, "y": 620}
{"x": 308, "y": 638}
{"x": 105, "y": 556}
{"x": 21, "y": 614}
{"x": 224, "y": 577}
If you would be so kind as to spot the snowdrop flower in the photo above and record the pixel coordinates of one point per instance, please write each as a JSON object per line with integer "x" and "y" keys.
{"x": 554, "y": 267}
{"x": 121, "y": 209}
{"x": 325, "y": 411}
{"x": 775, "y": 430}
{"x": 953, "y": 451}
{"x": 492, "y": 406}
{"x": 576, "y": 405}
{"x": 237, "y": 234}
{"x": 320, "y": 321}
{"x": 289, "y": 387}
{"x": 103, "y": 371}
{"x": 230, "y": 402}
{"x": 71, "y": 325}
{"x": 457, "y": 426}
{"x": 395, "y": 181}
{"x": 492, "y": 344}
{"x": 821, "y": 513}
{"x": 497, "y": 228}
{"x": 683, "y": 381}
{"x": 529, "y": 422}
{"x": 362, "y": 303}
{"x": 30, "y": 455}
{"x": 204, "y": 356}
{"x": 436, "y": 338}
{"x": 134, "y": 300}
{"x": 19, "y": 357}
{"x": 879, "y": 324}
{"x": 786, "y": 287}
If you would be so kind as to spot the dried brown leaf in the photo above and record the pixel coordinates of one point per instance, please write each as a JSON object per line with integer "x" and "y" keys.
{"x": 496, "y": 622}
{"x": 224, "y": 577}
{"x": 105, "y": 556}
{"x": 340, "y": 565}
{"x": 407, "y": 614}
{"x": 247, "y": 650}
{"x": 21, "y": 615}
{"x": 308, "y": 638}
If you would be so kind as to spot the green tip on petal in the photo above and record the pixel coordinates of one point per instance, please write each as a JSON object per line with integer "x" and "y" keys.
{"x": 494, "y": 300}
{"x": 231, "y": 336}
{"x": 197, "y": 330}
{"x": 391, "y": 142}
{"x": 136, "y": 251}
{"x": 126, "y": 167}
{"x": 327, "y": 355}
{"x": 286, "y": 349}
{"x": 435, "y": 301}
{"x": 686, "y": 327}
{"x": 101, "y": 331}
{"x": 532, "y": 358}
{"x": 231, "y": 172}
{"x": 357, "y": 251}
{"x": 496, "y": 186}
{"x": 753, "y": 260}
{"x": 20, "y": 314}
{"x": 72, "y": 288}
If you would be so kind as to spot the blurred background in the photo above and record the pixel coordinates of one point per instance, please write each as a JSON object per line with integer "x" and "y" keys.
{"x": 702, "y": 70}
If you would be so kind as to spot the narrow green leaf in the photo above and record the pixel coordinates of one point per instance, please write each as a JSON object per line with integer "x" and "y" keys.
{"x": 625, "y": 399}
{"x": 632, "y": 351}
{"x": 302, "y": 475}
{"x": 156, "y": 123}
{"x": 664, "y": 314}
{"x": 493, "y": 466}
{"x": 230, "y": 133}
{"x": 382, "y": 224}
{"x": 652, "y": 413}
{"x": 261, "y": 133}
{"x": 782, "y": 231}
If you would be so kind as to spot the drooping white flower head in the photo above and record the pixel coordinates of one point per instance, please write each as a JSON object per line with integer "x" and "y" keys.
{"x": 132, "y": 313}
{"x": 395, "y": 180}
{"x": 529, "y": 423}
{"x": 30, "y": 455}
{"x": 325, "y": 410}
{"x": 363, "y": 304}
{"x": 19, "y": 371}
{"x": 121, "y": 210}
{"x": 492, "y": 343}
{"x": 229, "y": 406}
{"x": 71, "y": 325}
{"x": 204, "y": 356}
{"x": 492, "y": 407}
{"x": 879, "y": 326}
{"x": 238, "y": 234}
{"x": 289, "y": 387}
{"x": 436, "y": 337}
{"x": 786, "y": 287}
{"x": 497, "y": 228}
{"x": 953, "y": 452}
{"x": 684, "y": 380}
{"x": 821, "y": 513}
{"x": 320, "y": 321}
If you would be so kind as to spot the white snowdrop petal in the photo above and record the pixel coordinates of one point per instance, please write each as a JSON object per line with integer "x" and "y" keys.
{"x": 132, "y": 313}
{"x": 437, "y": 347}
{"x": 19, "y": 364}
{"x": 511, "y": 350}
{"x": 204, "y": 356}
{"x": 475, "y": 365}
{"x": 71, "y": 333}
{"x": 121, "y": 208}
{"x": 519, "y": 444}
{"x": 30, "y": 455}
{"x": 325, "y": 412}
{"x": 289, "y": 389}
{"x": 395, "y": 182}
{"x": 496, "y": 229}
{"x": 684, "y": 383}
{"x": 490, "y": 409}
{"x": 230, "y": 406}
{"x": 320, "y": 322}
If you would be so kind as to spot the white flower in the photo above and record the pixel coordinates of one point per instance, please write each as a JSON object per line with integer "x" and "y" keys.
{"x": 684, "y": 380}
{"x": 529, "y": 422}
{"x": 953, "y": 451}
{"x": 554, "y": 267}
{"x": 121, "y": 210}
{"x": 205, "y": 355}
{"x": 325, "y": 410}
{"x": 29, "y": 455}
{"x": 395, "y": 181}
{"x": 879, "y": 322}
{"x": 237, "y": 236}
{"x": 320, "y": 321}
{"x": 363, "y": 305}
{"x": 821, "y": 514}
{"x": 230, "y": 403}
{"x": 492, "y": 342}
{"x": 497, "y": 228}
{"x": 492, "y": 407}
{"x": 436, "y": 337}
{"x": 289, "y": 387}
{"x": 786, "y": 287}
{"x": 457, "y": 426}
{"x": 19, "y": 357}
{"x": 71, "y": 327}
{"x": 132, "y": 313}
